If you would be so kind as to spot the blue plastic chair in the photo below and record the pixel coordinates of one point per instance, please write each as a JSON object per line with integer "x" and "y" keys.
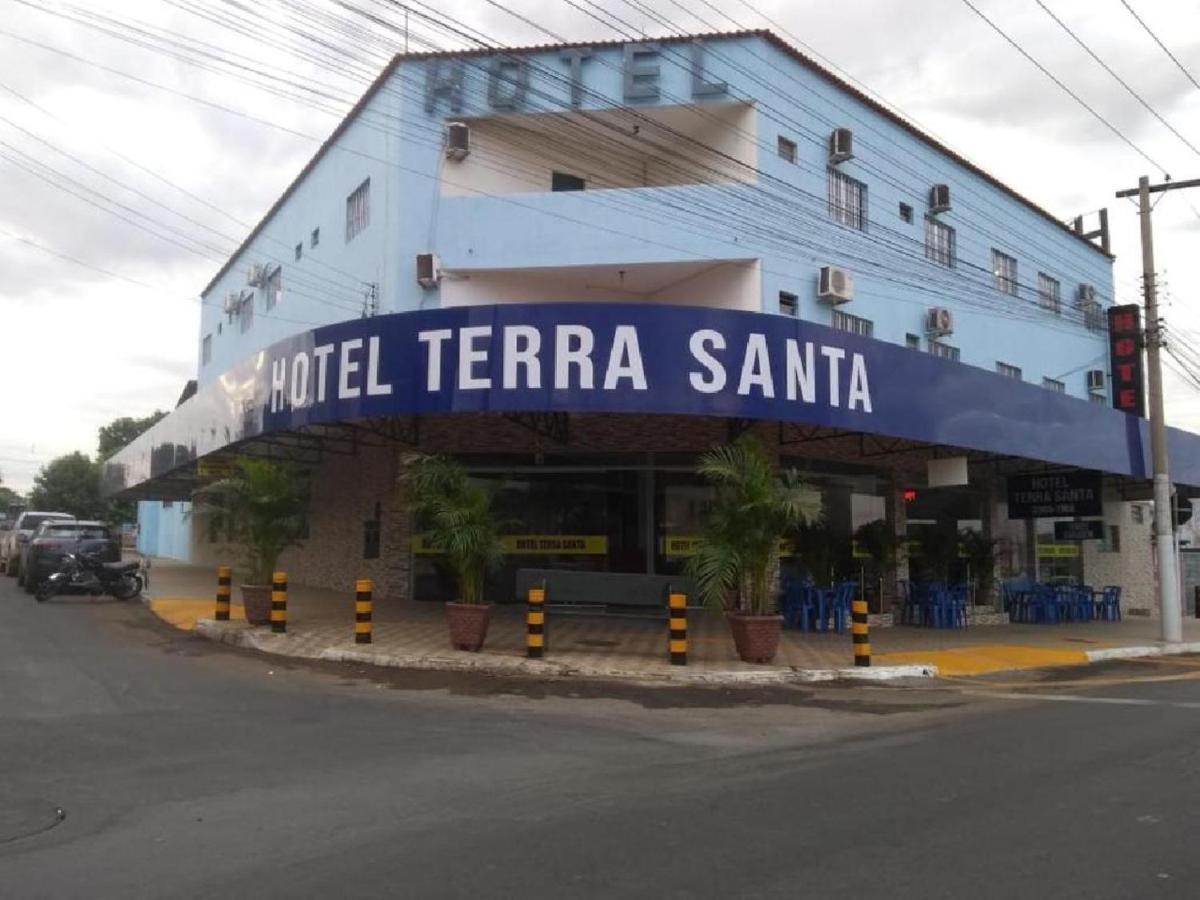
{"x": 1110, "y": 604}
{"x": 842, "y": 598}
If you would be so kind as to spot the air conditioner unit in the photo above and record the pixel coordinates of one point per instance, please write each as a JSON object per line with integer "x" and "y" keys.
{"x": 458, "y": 140}
{"x": 841, "y": 145}
{"x": 256, "y": 275}
{"x": 1095, "y": 381}
{"x": 1086, "y": 296}
{"x": 230, "y": 306}
{"x": 836, "y": 285}
{"x": 939, "y": 198}
{"x": 939, "y": 322}
{"x": 429, "y": 270}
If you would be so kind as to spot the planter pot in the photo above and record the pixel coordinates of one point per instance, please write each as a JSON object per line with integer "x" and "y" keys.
{"x": 256, "y": 600}
{"x": 468, "y": 625}
{"x": 755, "y": 637}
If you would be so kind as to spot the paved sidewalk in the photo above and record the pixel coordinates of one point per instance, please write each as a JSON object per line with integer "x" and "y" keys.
{"x": 413, "y": 635}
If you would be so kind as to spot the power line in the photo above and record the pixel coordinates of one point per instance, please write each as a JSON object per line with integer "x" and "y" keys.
{"x": 1107, "y": 124}
{"x": 1190, "y": 77}
{"x": 1121, "y": 81}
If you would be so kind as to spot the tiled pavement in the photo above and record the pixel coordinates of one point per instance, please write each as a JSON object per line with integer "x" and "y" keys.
{"x": 322, "y": 622}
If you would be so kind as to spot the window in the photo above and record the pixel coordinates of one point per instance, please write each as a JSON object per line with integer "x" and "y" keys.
{"x": 912, "y": 342}
{"x": 1137, "y": 514}
{"x": 786, "y": 149}
{"x": 206, "y": 350}
{"x": 315, "y": 238}
{"x": 847, "y": 200}
{"x": 1113, "y": 544}
{"x": 1053, "y": 384}
{"x": 940, "y": 243}
{"x": 1049, "y": 295}
{"x": 358, "y": 210}
{"x": 245, "y": 312}
{"x": 1008, "y": 371}
{"x": 299, "y": 250}
{"x": 945, "y": 351}
{"x": 853, "y": 324}
{"x": 906, "y": 213}
{"x": 1004, "y": 270}
{"x": 789, "y": 304}
{"x": 1099, "y": 399}
{"x": 1093, "y": 316}
{"x": 274, "y": 287}
{"x": 564, "y": 181}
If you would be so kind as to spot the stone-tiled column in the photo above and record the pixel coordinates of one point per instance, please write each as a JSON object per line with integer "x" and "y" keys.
{"x": 396, "y": 538}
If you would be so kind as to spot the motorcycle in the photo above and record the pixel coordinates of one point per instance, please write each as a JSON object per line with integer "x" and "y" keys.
{"x": 85, "y": 572}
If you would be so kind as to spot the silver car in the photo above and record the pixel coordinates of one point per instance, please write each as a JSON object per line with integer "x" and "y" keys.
{"x": 13, "y": 541}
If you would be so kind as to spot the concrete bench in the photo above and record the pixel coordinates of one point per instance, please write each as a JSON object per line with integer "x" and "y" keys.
{"x": 566, "y": 587}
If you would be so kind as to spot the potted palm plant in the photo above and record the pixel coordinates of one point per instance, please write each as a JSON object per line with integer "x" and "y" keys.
{"x": 457, "y": 519}
{"x": 262, "y": 506}
{"x": 753, "y": 508}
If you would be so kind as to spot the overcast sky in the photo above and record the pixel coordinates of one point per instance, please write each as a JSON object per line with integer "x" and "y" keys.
{"x": 83, "y": 344}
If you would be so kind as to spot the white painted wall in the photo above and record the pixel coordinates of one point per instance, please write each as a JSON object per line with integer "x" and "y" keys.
{"x": 518, "y": 154}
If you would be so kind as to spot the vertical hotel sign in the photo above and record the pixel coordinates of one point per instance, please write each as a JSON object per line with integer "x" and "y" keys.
{"x": 1125, "y": 353}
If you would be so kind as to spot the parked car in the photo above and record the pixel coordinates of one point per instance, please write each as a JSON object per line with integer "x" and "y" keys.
{"x": 13, "y": 541}
{"x": 54, "y": 539}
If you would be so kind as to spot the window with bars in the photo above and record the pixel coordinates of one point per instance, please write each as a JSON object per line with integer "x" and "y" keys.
{"x": 1049, "y": 293}
{"x": 1008, "y": 371}
{"x": 1099, "y": 399}
{"x": 358, "y": 210}
{"x": 940, "y": 243}
{"x": 944, "y": 350}
{"x": 1004, "y": 272}
{"x": 789, "y": 304}
{"x": 1093, "y": 315}
{"x": 847, "y": 200}
{"x": 1053, "y": 384}
{"x": 786, "y": 149}
{"x": 274, "y": 288}
{"x": 853, "y": 324}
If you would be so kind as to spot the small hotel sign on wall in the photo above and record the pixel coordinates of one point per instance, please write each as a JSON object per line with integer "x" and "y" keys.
{"x": 1125, "y": 350}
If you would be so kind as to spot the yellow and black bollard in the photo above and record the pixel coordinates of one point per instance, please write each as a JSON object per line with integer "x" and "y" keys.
{"x": 224, "y": 588}
{"x": 858, "y": 633}
{"x": 535, "y": 623}
{"x": 677, "y": 641}
{"x": 362, "y": 611}
{"x": 279, "y": 602}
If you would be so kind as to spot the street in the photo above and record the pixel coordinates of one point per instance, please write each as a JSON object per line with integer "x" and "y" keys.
{"x": 184, "y": 769}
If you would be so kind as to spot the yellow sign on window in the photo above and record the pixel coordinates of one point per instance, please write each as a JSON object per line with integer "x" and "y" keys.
{"x": 683, "y": 545}
{"x": 1059, "y": 551}
{"x": 534, "y": 545}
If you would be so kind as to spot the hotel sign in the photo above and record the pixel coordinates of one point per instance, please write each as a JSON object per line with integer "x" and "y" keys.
{"x": 1125, "y": 353}
{"x": 1053, "y": 496}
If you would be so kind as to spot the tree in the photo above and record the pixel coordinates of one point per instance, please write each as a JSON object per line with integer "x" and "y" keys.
{"x": 753, "y": 509}
{"x": 70, "y": 484}
{"x": 120, "y": 432}
{"x": 262, "y": 505}
{"x": 8, "y": 497}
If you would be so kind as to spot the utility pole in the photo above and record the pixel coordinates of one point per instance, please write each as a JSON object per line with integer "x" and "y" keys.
{"x": 1169, "y": 604}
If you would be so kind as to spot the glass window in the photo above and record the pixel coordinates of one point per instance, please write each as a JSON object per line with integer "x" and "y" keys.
{"x": 945, "y": 351}
{"x": 1049, "y": 294}
{"x": 274, "y": 288}
{"x": 847, "y": 200}
{"x": 853, "y": 324}
{"x": 1004, "y": 271}
{"x": 906, "y": 213}
{"x": 206, "y": 350}
{"x": 316, "y": 237}
{"x": 789, "y": 304}
{"x": 1053, "y": 384}
{"x": 564, "y": 181}
{"x": 358, "y": 210}
{"x": 940, "y": 243}
{"x": 1008, "y": 371}
{"x": 246, "y": 312}
{"x": 786, "y": 149}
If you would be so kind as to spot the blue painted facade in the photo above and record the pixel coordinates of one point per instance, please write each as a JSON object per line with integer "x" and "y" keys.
{"x": 772, "y": 215}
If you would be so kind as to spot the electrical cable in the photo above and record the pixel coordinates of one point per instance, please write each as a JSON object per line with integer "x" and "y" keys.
{"x": 1190, "y": 77}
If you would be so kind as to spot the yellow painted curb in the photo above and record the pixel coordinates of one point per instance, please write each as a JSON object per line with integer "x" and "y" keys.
{"x": 986, "y": 658}
{"x": 182, "y": 612}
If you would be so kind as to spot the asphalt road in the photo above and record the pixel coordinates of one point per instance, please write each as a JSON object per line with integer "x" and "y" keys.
{"x": 186, "y": 769}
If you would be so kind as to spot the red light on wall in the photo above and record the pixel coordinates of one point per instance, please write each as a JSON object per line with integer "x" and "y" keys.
{"x": 910, "y": 495}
